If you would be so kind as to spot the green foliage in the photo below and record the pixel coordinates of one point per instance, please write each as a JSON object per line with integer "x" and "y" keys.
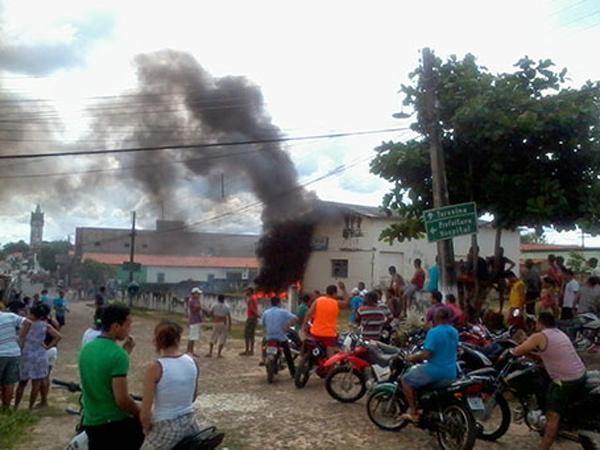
{"x": 48, "y": 252}
{"x": 13, "y": 427}
{"x": 14, "y": 247}
{"x": 96, "y": 272}
{"x": 577, "y": 263}
{"x": 533, "y": 237}
{"x": 520, "y": 144}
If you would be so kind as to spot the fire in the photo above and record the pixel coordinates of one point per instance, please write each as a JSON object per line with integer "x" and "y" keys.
{"x": 283, "y": 295}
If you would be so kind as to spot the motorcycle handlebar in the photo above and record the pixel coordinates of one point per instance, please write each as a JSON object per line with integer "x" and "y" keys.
{"x": 75, "y": 387}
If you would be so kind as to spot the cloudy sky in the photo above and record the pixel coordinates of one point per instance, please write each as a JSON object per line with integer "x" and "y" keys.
{"x": 322, "y": 67}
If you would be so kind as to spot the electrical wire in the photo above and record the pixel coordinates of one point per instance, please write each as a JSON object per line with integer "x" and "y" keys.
{"x": 201, "y": 145}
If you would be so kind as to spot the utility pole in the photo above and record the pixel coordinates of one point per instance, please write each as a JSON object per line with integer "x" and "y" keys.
{"x": 222, "y": 186}
{"x": 438, "y": 167}
{"x": 131, "y": 253}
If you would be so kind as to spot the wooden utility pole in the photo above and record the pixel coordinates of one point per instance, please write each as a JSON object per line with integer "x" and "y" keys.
{"x": 131, "y": 256}
{"x": 438, "y": 167}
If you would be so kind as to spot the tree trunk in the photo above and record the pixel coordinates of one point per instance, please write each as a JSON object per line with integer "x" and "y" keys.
{"x": 475, "y": 306}
{"x": 499, "y": 267}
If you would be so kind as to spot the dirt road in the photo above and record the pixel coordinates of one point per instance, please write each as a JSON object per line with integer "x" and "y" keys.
{"x": 235, "y": 396}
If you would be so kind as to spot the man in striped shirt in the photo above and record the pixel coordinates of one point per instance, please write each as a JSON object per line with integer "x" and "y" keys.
{"x": 371, "y": 317}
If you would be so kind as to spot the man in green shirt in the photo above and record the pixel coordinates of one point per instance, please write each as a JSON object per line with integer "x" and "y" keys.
{"x": 110, "y": 416}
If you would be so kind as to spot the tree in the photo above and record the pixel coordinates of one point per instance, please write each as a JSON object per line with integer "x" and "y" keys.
{"x": 48, "y": 252}
{"x": 533, "y": 237}
{"x": 14, "y": 247}
{"x": 521, "y": 144}
{"x": 96, "y": 272}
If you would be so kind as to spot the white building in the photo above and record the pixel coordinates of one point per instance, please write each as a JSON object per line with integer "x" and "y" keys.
{"x": 346, "y": 247}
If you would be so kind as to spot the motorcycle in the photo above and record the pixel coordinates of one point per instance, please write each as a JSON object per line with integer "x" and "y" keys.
{"x": 528, "y": 382}
{"x": 205, "y": 439}
{"x": 359, "y": 366}
{"x": 313, "y": 356}
{"x": 273, "y": 353}
{"x": 583, "y": 330}
{"x": 447, "y": 410}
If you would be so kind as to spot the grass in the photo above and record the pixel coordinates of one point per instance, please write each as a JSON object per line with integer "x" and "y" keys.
{"x": 13, "y": 427}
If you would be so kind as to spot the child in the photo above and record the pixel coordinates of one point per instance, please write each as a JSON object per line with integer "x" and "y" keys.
{"x": 34, "y": 360}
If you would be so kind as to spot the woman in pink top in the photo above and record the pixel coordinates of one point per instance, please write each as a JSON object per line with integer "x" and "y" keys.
{"x": 564, "y": 366}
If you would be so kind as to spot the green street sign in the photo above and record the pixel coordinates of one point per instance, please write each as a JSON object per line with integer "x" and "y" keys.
{"x": 131, "y": 267}
{"x": 450, "y": 221}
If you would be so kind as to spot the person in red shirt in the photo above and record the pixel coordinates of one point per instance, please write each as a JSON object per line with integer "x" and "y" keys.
{"x": 323, "y": 313}
{"x": 459, "y": 315}
{"x": 416, "y": 284}
{"x": 251, "y": 321}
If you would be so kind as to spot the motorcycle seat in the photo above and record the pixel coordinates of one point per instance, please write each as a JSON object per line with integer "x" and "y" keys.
{"x": 486, "y": 371}
{"x": 387, "y": 349}
{"x": 379, "y": 358}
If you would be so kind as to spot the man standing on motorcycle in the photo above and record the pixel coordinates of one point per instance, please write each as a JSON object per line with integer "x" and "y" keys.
{"x": 564, "y": 366}
{"x": 439, "y": 350}
{"x": 324, "y": 314}
{"x": 276, "y": 321}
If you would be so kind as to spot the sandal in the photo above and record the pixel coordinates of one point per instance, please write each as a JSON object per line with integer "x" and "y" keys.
{"x": 410, "y": 418}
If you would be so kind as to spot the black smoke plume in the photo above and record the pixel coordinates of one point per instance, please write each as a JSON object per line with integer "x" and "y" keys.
{"x": 213, "y": 109}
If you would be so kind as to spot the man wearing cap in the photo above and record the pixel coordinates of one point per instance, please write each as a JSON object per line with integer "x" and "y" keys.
{"x": 194, "y": 311}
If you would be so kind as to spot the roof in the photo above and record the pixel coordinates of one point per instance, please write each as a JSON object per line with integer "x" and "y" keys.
{"x": 362, "y": 210}
{"x": 165, "y": 242}
{"x": 555, "y": 248}
{"x": 174, "y": 261}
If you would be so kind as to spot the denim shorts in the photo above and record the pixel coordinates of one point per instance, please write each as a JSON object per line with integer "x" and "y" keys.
{"x": 417, "y": 377}
{"x": 9, "y": 369}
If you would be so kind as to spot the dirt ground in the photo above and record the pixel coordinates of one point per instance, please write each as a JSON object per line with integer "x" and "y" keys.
{"x": 235, "y": 396}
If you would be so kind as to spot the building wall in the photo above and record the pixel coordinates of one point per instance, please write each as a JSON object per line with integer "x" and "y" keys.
{"x": 542, "y": 255}
{"x": 369, "y": 259}
{"x": 177, "y": 274}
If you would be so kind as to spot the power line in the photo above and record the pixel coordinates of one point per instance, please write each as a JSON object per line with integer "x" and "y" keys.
{"x": 201, "y": 145}
{"x": 335, "y": 171}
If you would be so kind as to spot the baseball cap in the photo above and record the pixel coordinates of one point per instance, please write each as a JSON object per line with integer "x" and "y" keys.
{"x": 196, "y": 290}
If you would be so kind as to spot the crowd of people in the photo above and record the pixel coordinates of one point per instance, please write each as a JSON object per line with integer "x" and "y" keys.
{"x": 30, "y": 332}
{"x": 29, "y": 335}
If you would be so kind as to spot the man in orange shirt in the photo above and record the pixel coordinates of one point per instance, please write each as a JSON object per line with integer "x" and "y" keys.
{"x": 324, "y": 314}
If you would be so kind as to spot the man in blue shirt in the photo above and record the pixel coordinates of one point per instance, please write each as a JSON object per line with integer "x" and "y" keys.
{"x": 355, "y": 303}
{"x": 434, "y": 277}
{"x": 440, "y": 350}
{"x": 276, "y": 321}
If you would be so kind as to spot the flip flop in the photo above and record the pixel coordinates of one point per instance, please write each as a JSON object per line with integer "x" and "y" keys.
{"x": 410, "y": 418}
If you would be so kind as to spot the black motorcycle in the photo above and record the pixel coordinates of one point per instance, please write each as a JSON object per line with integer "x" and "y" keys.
{"x": 528, "y": 382}
{"x": 447, "y": 410}
{"x": 206, "y": 439}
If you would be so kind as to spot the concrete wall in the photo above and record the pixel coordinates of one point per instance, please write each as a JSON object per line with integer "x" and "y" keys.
{"x": 177, "y": 274}
{"x": 369, "y": 259}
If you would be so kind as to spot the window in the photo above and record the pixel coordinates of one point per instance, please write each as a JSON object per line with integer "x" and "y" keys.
{"x": 97, "y": 243}
{"x": 160, "y": 277}
{"x": 339, "y": 268}
{"x": 126, "y": 245}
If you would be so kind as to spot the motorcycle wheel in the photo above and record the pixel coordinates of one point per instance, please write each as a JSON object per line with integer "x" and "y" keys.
{"x": 346, "y": 384}
{"x": 496, "y": 421}
{"x": 457, "y": 430}
{"x": 384, "y": 409}
{"x": 271, "y": 367}
{"x": 302, "y": 372}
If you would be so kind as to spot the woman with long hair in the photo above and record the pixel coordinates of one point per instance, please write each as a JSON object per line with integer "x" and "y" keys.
{"x": 170, "y": 388}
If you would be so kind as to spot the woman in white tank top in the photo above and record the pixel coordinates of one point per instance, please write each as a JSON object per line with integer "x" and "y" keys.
{"x": 170, "y": 388}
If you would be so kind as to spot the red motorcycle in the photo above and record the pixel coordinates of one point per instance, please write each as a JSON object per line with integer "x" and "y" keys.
{"x": 312, "y": 357}
{"x": 361, "y": 364}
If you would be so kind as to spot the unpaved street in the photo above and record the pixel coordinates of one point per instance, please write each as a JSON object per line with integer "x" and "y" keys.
{"x": 234, "y": 395}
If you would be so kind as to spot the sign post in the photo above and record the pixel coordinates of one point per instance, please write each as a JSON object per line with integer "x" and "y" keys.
{"x": 450, "y": 221}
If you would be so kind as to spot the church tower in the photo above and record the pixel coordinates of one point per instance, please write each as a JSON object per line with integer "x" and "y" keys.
{"x": 37, "y": 229}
